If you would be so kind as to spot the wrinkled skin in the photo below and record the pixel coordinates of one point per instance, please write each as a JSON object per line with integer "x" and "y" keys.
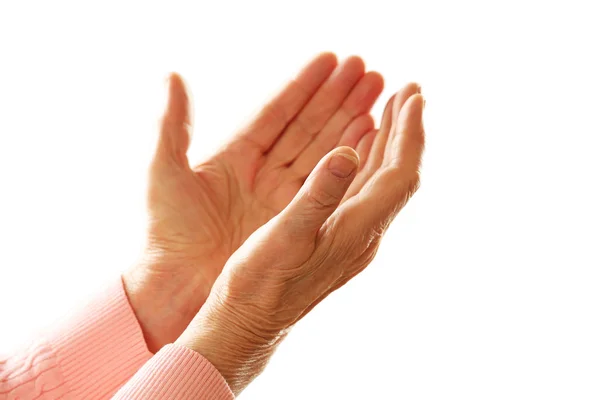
{"x": 328, "y": 233}
{"x": 199, "y": 216}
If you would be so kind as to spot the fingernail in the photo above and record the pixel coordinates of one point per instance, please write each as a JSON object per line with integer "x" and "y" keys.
{"x": 342, "y": 165}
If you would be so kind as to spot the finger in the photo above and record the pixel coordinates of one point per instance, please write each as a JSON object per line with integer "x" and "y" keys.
{"x": 376, "y": 155}
{"x": 407, "y": 138}
{"x": 357, "y": 129}
{"x": 389, "y": 117}
{"x": 352, "y": 135}
{"x": 309, "y": 122}
{"x": 359, "y": 101}
{"x": 364, "y": 147}
{"x": 277, "y": 114}
{"x": 320, "y": 195}
{"x": 396, "y": 181}
{"x": 373, "y": 160}
{"x": 176, "y": 127}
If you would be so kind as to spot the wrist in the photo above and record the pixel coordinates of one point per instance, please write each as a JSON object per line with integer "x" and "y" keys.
{"x": 164, "y": 300}
{"x": 235, "y": 345}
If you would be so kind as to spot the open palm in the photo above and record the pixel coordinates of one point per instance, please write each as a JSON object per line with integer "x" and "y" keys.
{"x": 200, "y": 215}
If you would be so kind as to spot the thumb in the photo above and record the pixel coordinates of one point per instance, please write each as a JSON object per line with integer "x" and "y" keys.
{"x": 175, "y": 126}
{"x": 321, "y": 193}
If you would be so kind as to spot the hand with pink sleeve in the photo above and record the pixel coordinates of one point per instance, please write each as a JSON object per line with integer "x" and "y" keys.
{"x": 328, "y": 233}
{"x": 198, "y": 217}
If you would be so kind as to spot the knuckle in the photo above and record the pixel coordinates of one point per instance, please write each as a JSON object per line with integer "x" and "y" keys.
{"x": 307, "y": 125}
{"x": 277, "y": 112}
{"x": 321, "y": 199}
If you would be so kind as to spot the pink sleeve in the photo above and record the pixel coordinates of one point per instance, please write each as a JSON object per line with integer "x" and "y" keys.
{"x": 176, "y": 372}
{"x": 92, "y": 355}
{"x": 89, "y": 356}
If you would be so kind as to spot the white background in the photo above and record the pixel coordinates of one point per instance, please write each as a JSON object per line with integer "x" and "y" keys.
{"x": 486, "y": 287}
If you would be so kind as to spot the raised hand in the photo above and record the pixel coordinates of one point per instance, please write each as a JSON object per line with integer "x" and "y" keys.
{"x": 200, "y": 215}
{"x": 314, "y": 246}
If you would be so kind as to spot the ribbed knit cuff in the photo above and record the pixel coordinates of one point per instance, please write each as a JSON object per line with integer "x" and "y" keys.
{"x": 175, "y": 373}
{"x": 101, "y": 347}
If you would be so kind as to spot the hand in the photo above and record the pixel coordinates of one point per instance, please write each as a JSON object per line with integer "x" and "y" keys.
{"x": 199, "y": 216}
{"x": 311, "y": 248}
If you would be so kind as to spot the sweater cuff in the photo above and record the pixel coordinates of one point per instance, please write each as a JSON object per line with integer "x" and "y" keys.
{"x": 176, "y": 372}
{"x": 101, "y": 347}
